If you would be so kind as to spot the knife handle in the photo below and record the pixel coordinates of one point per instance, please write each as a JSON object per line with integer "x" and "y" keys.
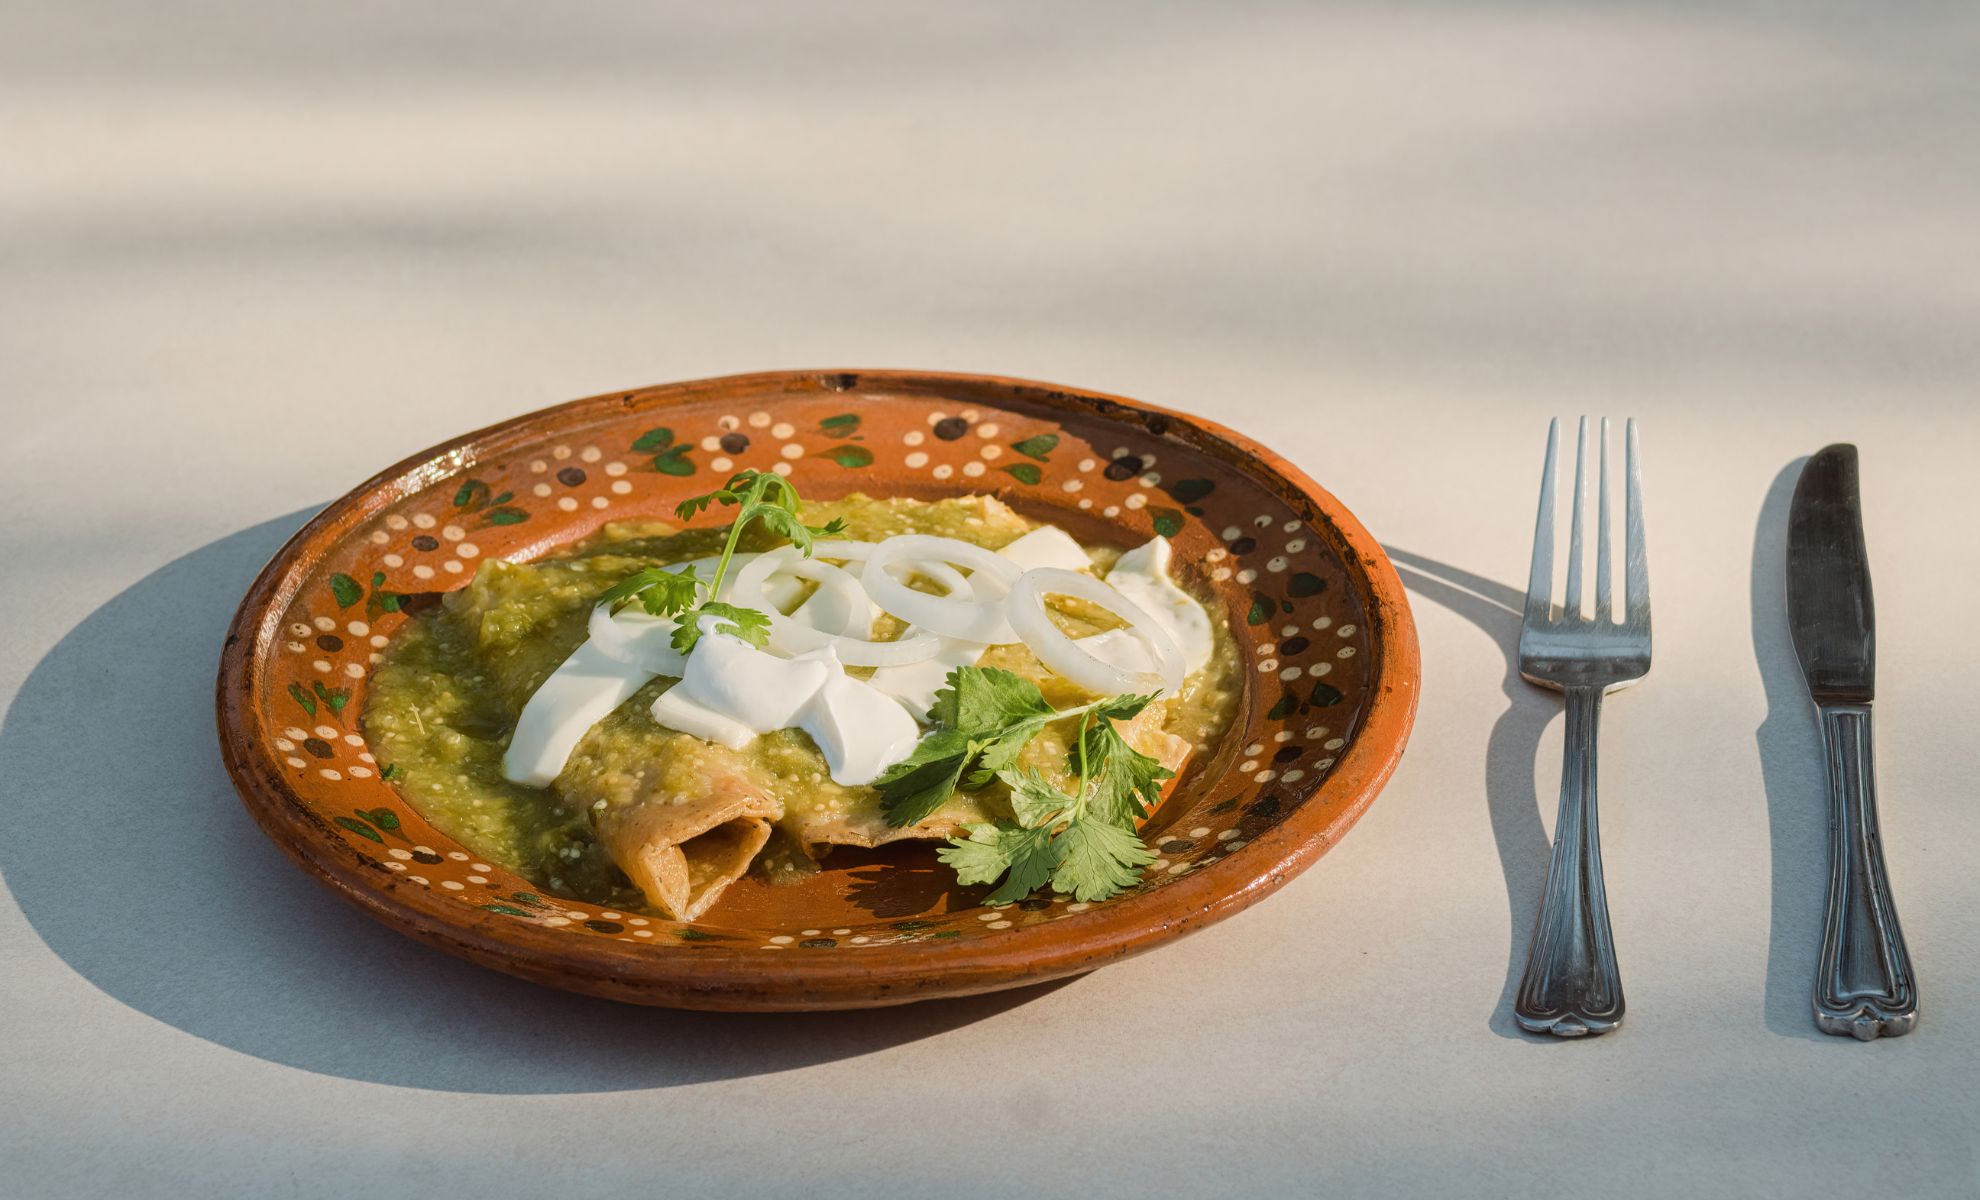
{"x": 1572, "y": 987}
{"x": 1863, "y": 984}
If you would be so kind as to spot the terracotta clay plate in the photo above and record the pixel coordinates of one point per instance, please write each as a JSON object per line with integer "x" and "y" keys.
{"x": 1323, "y": 629}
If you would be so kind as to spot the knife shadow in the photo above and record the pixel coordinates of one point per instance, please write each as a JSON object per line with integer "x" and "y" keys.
{"x": 1510, "y": 750}
{"x": 1792, "y": 774}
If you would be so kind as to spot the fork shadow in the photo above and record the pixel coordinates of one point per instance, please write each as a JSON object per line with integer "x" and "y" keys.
{"x": 1510, "y": 750}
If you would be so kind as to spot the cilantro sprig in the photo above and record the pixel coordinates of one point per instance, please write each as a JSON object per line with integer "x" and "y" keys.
{"x": 760, "y": 497}
{"x": 1083, "y": 842}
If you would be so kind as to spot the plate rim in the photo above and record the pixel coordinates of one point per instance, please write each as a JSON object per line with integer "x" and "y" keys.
{"x": 723, "y": 977}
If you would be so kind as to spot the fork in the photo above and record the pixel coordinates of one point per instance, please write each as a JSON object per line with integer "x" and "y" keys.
{"x": 1571, "y": 986}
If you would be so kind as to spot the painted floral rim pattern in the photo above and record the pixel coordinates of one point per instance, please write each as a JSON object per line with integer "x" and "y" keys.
{"x": 1282, "y": 569}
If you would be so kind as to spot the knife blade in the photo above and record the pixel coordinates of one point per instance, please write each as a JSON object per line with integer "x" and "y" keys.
{"x": 1830, "y": 613}
{"x": 1864, "y": 987}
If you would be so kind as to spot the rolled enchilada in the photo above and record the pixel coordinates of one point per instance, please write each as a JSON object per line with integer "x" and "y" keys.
{"x": 642, "y": 816}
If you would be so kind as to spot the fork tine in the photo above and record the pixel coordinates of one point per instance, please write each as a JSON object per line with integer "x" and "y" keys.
{"x": 1540, "y": 584}
{"x": 1604, "y": 590}
{"x": 1636, "y": 569}
{"x": 1571, "y": 607}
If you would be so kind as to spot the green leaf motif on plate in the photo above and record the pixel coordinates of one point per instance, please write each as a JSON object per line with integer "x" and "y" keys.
{"x": 1025, "y": 473}
{"x": 843, "y": 425}
{"x": 1168, "y": 521}
{"x": 1305, "y": 583}
{"x": 384, "y": 818}
{"x": 348, "y": 591}
{"x": 850, "y": 457}
{"x": 1283, "y": 709}
{"x": 359, "y": 828}
{"x": 505, "y": 910}
{"x": 381, "y": 599}
{"x": 1189, "y": 491}
{"x": 1261, "y": 609}
{"x": 653, "y": 440}
{"x": 1038, "y": 446}
{"x": 508, "y": 514}
{"x": 473, "y": 494}
{"x": 674, "y": 461}
{"x": 345, "y": 589}
{"x": 1325, "y": 695}
{"x": 303, "y": 698}
{"x": 336, "y": 698}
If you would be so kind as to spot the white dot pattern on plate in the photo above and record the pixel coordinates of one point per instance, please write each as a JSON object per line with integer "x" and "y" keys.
{"x": 1253, "y": 549}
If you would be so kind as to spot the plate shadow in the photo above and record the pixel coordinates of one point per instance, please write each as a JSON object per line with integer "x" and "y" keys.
{"x": 134, "y": 862}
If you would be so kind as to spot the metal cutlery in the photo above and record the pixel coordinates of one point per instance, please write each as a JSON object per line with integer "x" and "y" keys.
{"x": 1863, "y": 982}
{"x": 1571, "y": 986}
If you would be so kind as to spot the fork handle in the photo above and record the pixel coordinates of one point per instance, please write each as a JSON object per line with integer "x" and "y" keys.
{"x": 1572, "y": 986}
{"x": 1863, "y": 984}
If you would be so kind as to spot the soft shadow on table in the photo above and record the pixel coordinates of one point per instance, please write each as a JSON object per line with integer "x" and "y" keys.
{"x": 125, "y": 846}
{"x": 1792, "y": 771}
{"x": 1510, "y": 781}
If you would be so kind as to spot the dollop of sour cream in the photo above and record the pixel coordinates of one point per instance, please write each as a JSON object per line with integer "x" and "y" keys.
{"x": 730, "y": 692}
{"x": 1142, "y": 575}
{"x": 733, "y": 693}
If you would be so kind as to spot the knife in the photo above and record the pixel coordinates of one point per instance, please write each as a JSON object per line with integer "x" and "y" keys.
{"x": 1863, "y": 983}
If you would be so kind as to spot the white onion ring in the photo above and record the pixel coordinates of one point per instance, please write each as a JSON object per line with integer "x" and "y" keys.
{"x": 1064, "y": 655}
{"x": 980, "y": 619}
{"x": 792, "y": 637}
{"x": 854, "y": 555}
{"x": 838, "y": 607}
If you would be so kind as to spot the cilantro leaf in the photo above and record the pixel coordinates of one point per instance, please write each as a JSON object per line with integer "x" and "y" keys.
{"x": 662, "y": 591}
{"x": 1097, "y": 859}
{"x": 745, "y": 623}
{"x": 728, "y": 495}
{"x": 1028, "y": 855}
{"x": 1123, "y": 708}
{"x": 687, "y": 508}
{"x": 1035, "y": 800}
{"x": 1089, "y": 859}
{"x": 1085, "y": 839}
{"x": 1127, "y": 783}
{"x": 1001, "y": 710}
{"x": 916, "y": 786}
{"x": 785, "y": 524}
{"x": 767, "y": 498}
{"x": 983, "y": 698}
{"x": 983, "y": 719}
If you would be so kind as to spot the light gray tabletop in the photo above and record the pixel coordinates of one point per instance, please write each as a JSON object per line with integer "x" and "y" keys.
{"x": 249, "y": 253}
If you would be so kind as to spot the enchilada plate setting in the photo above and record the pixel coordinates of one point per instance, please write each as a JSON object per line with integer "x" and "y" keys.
{"x": 452, "y": 697}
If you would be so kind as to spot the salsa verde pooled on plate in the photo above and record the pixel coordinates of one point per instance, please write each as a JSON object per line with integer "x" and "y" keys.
{"x": 638, "y": 720}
